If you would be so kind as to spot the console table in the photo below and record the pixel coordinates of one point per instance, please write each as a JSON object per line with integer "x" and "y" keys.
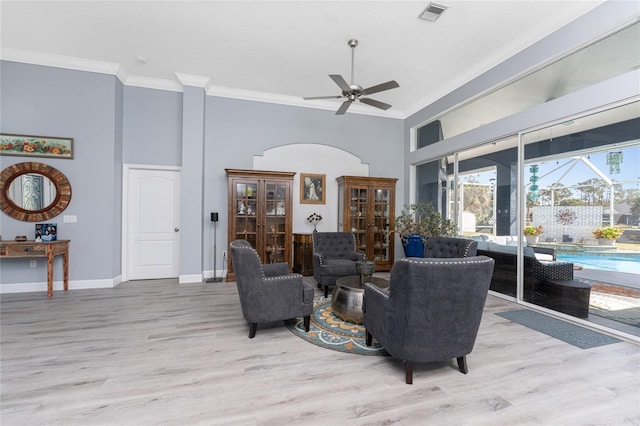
{"x": 48, "y": 249}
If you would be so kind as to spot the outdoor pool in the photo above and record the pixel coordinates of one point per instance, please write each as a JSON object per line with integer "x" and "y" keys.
{"x": 629, "y": 263}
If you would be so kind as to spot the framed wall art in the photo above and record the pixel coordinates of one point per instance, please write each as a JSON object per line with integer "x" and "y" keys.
{"x": 36, "y": 146}
{"x": 312, "y": 189}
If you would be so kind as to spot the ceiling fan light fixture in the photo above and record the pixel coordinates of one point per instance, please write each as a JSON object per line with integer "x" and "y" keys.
{"x": 432, "y": 12}
{"x": 354, "y": 92}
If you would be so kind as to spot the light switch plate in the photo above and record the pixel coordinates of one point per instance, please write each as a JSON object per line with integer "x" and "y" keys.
{"x": 70, "y": 218}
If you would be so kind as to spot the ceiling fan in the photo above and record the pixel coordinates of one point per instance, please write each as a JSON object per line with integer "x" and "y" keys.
{"x": 353, "y": 92}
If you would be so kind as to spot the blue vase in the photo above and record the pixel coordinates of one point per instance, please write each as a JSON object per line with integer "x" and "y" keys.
{"x": 413, "y": 246}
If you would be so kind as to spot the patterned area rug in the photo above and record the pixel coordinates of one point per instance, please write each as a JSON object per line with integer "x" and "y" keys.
{"x": 328, "y": 331}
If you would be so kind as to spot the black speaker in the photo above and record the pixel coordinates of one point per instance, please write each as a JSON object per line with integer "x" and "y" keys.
{"x": 215, "y": 279}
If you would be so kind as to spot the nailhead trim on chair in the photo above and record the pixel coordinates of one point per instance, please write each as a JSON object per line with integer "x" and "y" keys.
{"x": 442, "y": 262}
{"x": 466, "y": 250}
{"x": 282, "y": 277}
{"x": 264, "y": 277}
{"x": 256, "y": 253}
{"x": 377, "y": 290}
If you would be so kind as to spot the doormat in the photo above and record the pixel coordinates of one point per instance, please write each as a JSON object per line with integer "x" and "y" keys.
{"x": 562, "y": 330}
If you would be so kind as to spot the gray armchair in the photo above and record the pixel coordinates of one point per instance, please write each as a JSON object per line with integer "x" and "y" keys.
{"x": 431, "y": 311}
{"x": 334, "y": 256}
{"x": 269, "y": 292}
{"x": 450, "y": 247}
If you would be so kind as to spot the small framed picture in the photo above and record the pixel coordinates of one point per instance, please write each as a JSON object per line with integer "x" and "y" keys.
{"x": 312, "y": 189}
{"x": 46, "y": 231}
{"x": 36, "y": 146}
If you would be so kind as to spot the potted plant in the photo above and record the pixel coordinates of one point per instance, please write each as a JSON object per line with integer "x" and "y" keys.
{"x": 532, "y": 233}
{"x": 418, "y": 222}
{"x": 607, "y": 235}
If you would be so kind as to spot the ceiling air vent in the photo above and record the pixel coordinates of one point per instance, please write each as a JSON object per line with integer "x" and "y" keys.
{"x": 432, "y": 12}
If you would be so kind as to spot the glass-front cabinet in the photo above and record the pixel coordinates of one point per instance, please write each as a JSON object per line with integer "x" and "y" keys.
{"x": 260, "y": 211}
{"x": 366, "y": 207}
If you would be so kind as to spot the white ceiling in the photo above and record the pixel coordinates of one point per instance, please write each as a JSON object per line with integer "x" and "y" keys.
{"x": 283, "y": 50}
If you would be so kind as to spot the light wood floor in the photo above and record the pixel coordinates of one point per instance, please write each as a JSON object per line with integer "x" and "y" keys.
{"x": 159, "y": 353}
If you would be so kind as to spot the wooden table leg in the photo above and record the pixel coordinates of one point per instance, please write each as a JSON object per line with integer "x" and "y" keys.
{"x": 65, "y": 267}
{"x": 49, "y": 270}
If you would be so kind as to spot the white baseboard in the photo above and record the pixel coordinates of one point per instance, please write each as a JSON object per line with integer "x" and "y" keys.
{"x": 187, "y": 279}
{"x": 59, "y": 285}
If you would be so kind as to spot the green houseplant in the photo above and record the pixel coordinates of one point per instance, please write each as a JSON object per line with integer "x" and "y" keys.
{"x": 419, "y": 221}
{"x": 532, "y": 233}
{"x": 607, "y": 235}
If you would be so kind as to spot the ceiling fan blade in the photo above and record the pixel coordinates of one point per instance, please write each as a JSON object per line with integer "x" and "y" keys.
{"x": 380, "y": 87}
{"x": 344, "y": 107}
{"x": 340, "y": 82}
{"x": 308, "y": 98}
{"x": 375, "y": 103}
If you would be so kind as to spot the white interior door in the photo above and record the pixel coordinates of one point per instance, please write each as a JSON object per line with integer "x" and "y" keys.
{"x": 153, "y": 204}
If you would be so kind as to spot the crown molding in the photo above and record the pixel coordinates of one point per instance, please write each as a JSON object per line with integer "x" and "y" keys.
{"x": 58, "y": 61}
{"x": 182, "y": 79}
{"x": 255, "y": 96}
{"x": 193, "y": 80}
{"x": 152, "y": 83}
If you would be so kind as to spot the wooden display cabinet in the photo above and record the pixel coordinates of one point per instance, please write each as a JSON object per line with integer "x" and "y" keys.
{"x": 260, "y": 211}
{"x": 366, "y": 207}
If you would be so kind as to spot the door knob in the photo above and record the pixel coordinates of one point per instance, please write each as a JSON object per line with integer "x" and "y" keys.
{"x": 176, "y": 229}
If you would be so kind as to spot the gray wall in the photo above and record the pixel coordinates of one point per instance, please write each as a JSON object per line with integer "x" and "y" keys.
{"x": 236, "y": 130}
{"x": 49, "y": 101}
{"x": 113, "y": 124}
{"x": 152, "y": 126}
{"x": 118, "y": 148}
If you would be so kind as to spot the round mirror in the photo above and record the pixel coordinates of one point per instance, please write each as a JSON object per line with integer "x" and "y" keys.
{"x": 34, "y": 192}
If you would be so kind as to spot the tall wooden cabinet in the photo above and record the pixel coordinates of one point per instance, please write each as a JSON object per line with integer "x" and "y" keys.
{"x": 366, "y": 207}
{"x": 261, "y": 212}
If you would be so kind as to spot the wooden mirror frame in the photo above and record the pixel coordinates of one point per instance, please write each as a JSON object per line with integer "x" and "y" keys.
{"x": 61, "y": 201}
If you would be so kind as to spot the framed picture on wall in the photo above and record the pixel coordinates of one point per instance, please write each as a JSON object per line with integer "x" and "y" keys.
{"x": 312, "y": 189}
{"x": 36, "y": 146}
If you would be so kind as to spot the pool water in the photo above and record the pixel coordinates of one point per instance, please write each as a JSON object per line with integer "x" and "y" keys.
{"x": 628, "y": 264}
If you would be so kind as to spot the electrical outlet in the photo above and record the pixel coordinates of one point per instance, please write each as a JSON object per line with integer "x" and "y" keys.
{"x": 33, "y": 263}
{"x": 224, "y": 254}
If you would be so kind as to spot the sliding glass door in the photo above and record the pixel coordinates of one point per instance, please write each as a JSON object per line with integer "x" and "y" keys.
{"x": 581, "y": 188}
{"x": 577, "y": 185}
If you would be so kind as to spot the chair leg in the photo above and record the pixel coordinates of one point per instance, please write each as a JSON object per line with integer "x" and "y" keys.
{"x": 307, "y": 321}
{"x": 462, "y": 364}
{"x": 408, "y": 372}
{"x": 369, "y": 338}
{"x": 326, "y": 291}
{"x": 252, "y": 329}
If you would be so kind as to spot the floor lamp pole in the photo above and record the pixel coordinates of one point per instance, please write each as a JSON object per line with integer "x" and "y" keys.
{"x": 214, "y": 219}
